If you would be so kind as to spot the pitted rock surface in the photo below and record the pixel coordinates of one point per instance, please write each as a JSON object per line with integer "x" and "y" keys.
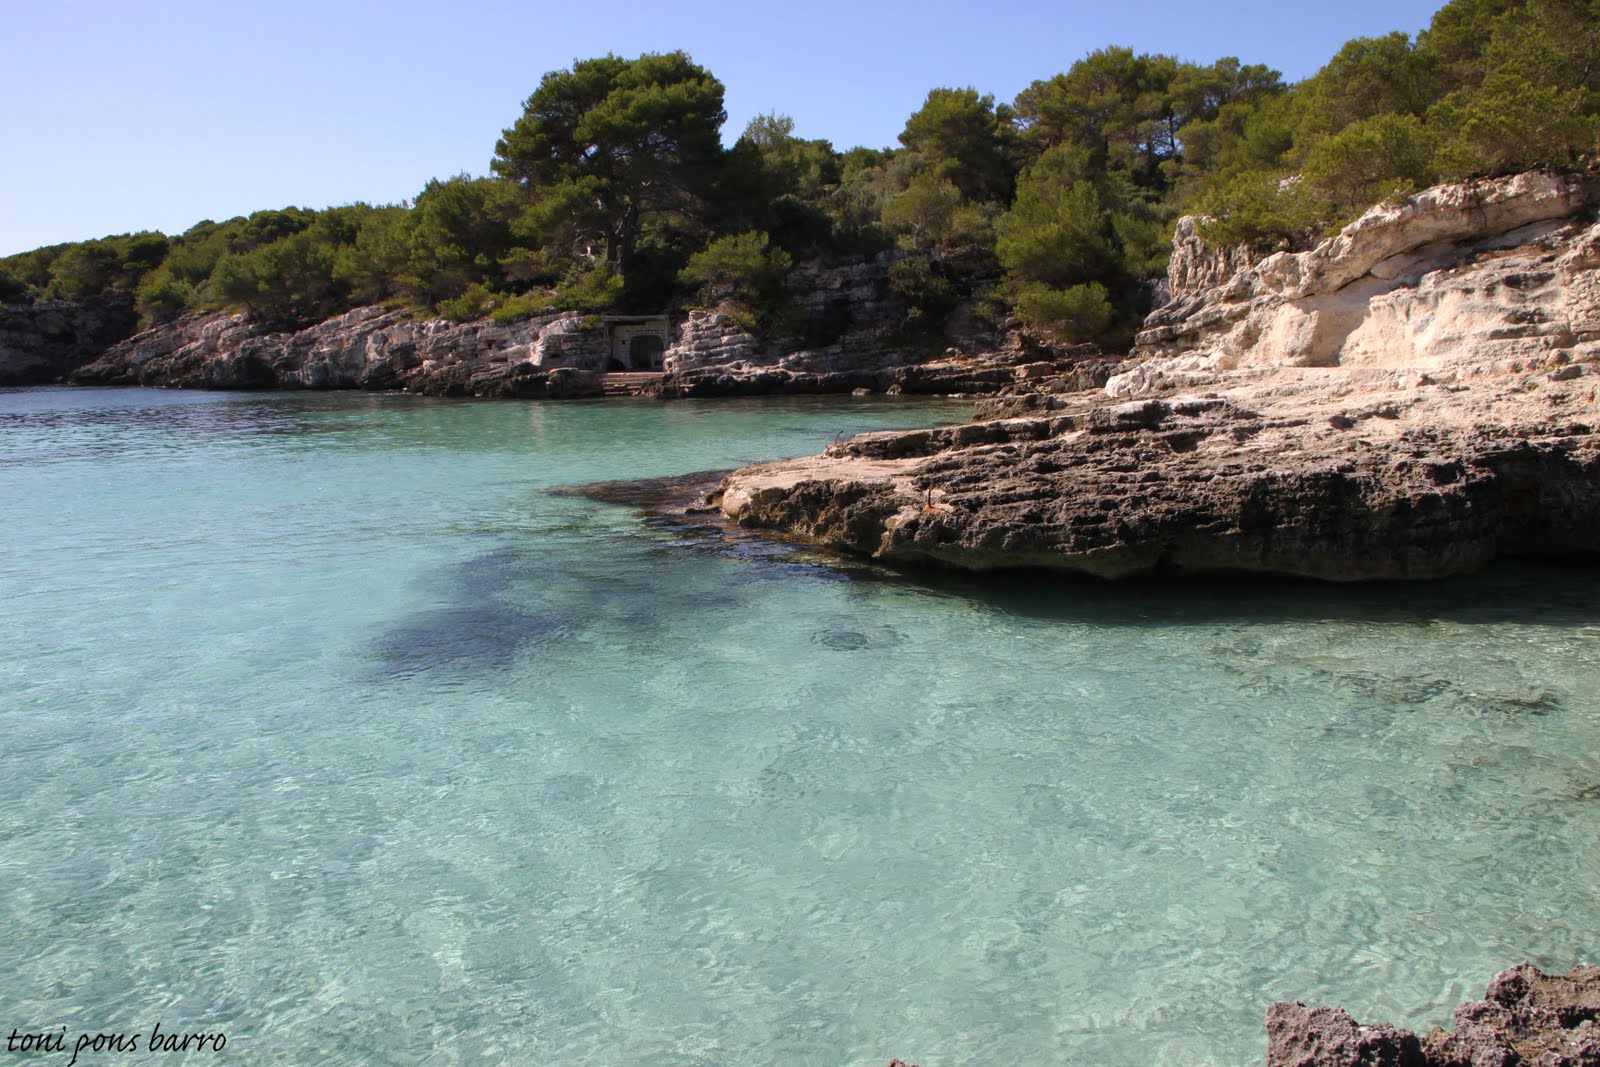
{"x": 1526, "y": 1019}
{"x": 1302, "y": 473}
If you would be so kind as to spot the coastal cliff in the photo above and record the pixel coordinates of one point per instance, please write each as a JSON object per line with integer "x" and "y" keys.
{"x": 1474, "y": 278}
{"x": 41, "y": 342}
{"x": 844, "y": 337}
{"x": 368, "y": 348}
{"x": 1407, "y": 400}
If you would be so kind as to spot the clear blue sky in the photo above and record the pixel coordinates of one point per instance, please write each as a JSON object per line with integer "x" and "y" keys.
{"x": 124, "y": 116}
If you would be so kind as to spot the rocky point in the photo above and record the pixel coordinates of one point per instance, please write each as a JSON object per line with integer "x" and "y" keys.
{"x": 1410, "y": 399}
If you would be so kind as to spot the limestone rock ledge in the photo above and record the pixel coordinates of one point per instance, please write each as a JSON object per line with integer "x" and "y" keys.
{"x": 1526, "y": 1018}
{"x": 1333, "y": 475}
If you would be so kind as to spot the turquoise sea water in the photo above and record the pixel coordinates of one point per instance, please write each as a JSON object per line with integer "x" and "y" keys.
{"x": 327, "y": 727}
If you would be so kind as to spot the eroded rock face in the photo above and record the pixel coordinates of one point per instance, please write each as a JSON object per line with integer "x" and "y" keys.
{"x": 1298, "y": 1036}
{"x": 1332, "y": 475}
{"x": 1468, "y": 279}
{"x": 368, "y": 348}
{"x": 1526, "y": 1019}
{"x": 846, "y": 317}
{"x": 1393, "y": 404}
{"x": 42, "y": 342}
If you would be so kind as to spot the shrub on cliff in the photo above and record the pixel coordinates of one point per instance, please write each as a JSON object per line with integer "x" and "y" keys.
{"x": 12, "y": 289}
{"x": 1077, "y": 313}
{"x": 109, "y": 265}
{"x": 745, "y": 271}
{"x": 930, "y": 294}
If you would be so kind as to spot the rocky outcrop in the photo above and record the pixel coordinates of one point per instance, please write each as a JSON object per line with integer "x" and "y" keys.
{"x": 42, "y": 342}
{"x": 844, "y": 333}
{"x": 1195, "y": 266}
{"x": 1465, "y": 279}
{"x": 1307, "y": 440}
{"x": 368, "y": 348}
{"x": 843, "y": 315}
{"x": 711, "y": 339}
{"x": 1376, "y": 479}
{"x": 1526, "y": 1019}
{"x": 846, "y": 344}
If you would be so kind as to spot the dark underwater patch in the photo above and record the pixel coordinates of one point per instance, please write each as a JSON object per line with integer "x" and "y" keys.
{"x": 856, "y": 639}
{"x": 487, "y": 633}
{"x": 481, "y": 629}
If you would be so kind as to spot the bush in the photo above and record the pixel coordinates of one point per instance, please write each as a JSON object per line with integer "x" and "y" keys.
{"x": 740, "y": 270}
{"x": 1374, "y": 159}
{"x": 12, "y": 290}
{"x": 1080, "y": 313}
{"x": 478, "y": 300}
{"x": 521, "y": 306}
{"x": 929, "y": 295}
{"x": 741, "y": 266}
{"x": 161, "y": 295}
{"x": 593, "y": 291}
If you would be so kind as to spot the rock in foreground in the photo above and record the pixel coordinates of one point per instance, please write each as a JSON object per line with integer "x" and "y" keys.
{"x": 1526, "y": 1019}
{"x": 1295, "y": 473}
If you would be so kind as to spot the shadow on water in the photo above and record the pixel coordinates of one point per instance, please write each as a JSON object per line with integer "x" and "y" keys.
{"x": 1560, "y": 593}
{"x": 499, "y": 605}
{"x": 481, "y": 634}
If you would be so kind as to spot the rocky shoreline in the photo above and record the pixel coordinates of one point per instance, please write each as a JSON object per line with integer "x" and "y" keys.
{"x": 1289, "y": 473}
{"x": 1525, "y": 1019}
{"x": 849, "y": 340}
{"x": 1408, "y": 400}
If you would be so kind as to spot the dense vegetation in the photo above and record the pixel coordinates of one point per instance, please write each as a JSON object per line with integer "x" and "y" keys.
{"x": 612, "y": 191}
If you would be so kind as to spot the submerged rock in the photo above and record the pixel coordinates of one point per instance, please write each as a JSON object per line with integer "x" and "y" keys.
{"x": 1526, "y": 1019}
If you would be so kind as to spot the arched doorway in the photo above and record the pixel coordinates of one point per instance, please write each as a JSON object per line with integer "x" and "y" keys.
{"x": 645, "y": 352}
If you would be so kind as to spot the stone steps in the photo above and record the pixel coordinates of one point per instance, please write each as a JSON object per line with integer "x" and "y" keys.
{"x": 627, "y": 383}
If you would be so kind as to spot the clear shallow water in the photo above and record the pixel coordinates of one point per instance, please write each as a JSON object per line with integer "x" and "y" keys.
{"x": 327, "y": 727}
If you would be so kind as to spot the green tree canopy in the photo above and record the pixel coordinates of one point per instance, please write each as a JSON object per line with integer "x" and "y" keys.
{"x": 603, "y": 146}
{"x": 969, "y": 142}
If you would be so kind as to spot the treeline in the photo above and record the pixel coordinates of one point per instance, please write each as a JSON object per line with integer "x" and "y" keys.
{"x": 612, "y": 191}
